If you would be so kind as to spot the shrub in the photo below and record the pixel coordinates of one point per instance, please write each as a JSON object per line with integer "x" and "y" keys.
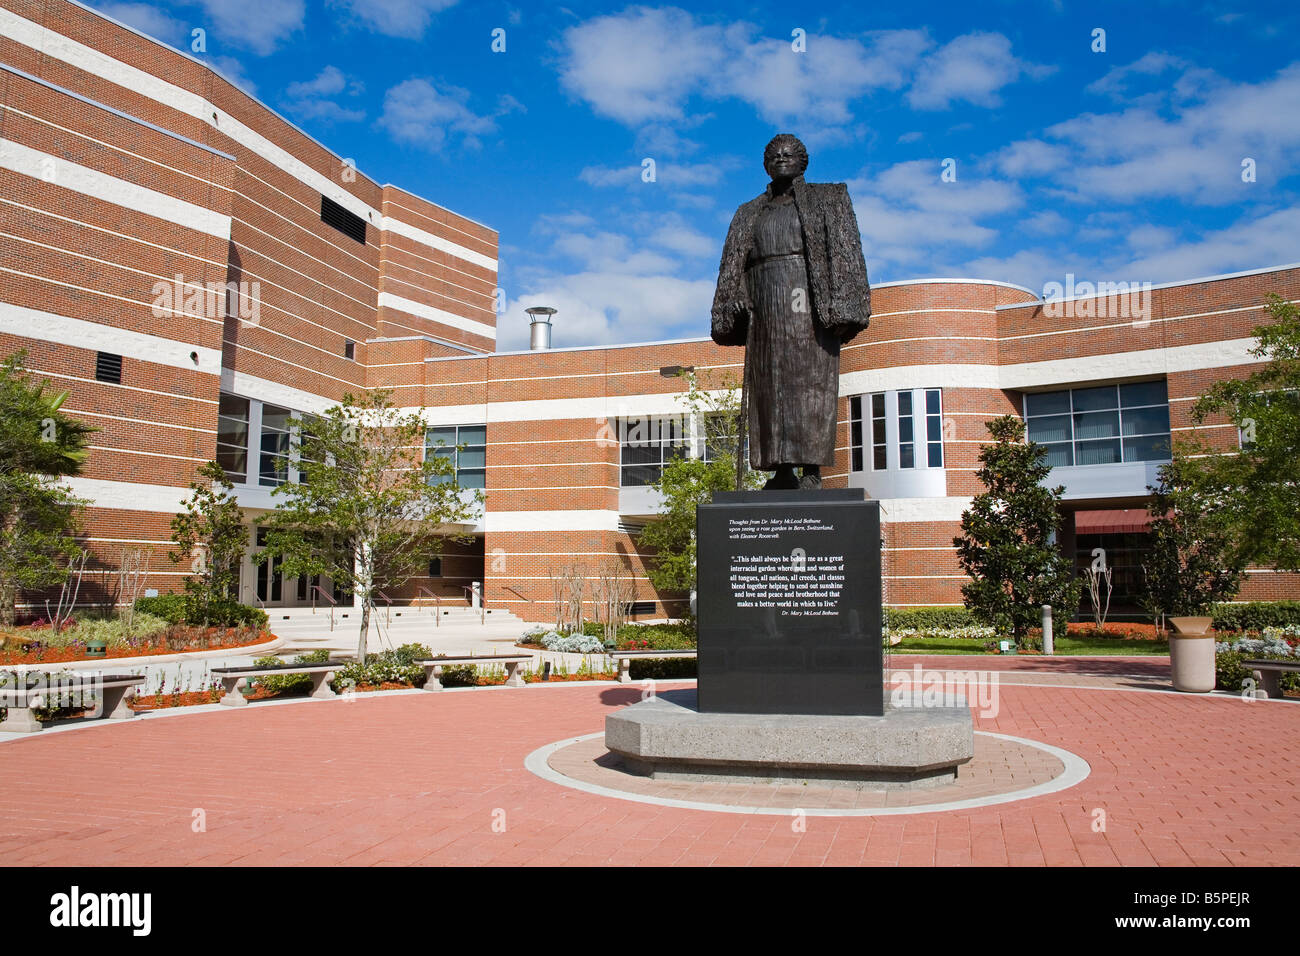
{"x": 1256, "y": 615}
{"x": 169, "y": 607}
{"x": 928, "y": 618}
{"x": 659, "y": 637}
{"x": 114, "y": 630}
{"x": 396, "y": 666}
{"x": 572, "y": 643}
{"x": 181, "y": 609}
{"x": 662, "y": 668}
{"x": 1230, "y": 671}
{"x": 289, "y": 683}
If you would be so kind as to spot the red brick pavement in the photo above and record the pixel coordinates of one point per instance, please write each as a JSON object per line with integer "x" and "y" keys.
{"x": 416, "y": 778}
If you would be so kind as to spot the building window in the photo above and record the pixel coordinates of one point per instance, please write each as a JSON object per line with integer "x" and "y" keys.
{"x": 933, "y": 428}
{"x": 647, "y": 444}
{"x": 855, "y": 431}
{"x": 1101, "y": 425}
{"x": 349, "y": 350}
{"x": 232, "y": 437}
{"x": 108, "y": 368}
{"x": 435, "y": 567}
{"x": 466, "y": 446}
{"x": 917, "y": 429}
{"x": 906, "y": 439}
{"x": 277, "y": 431}
{"x": 878, "y": 447}
{"x": 348, "y": 223}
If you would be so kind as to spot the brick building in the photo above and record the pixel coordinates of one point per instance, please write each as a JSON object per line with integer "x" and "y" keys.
{"x": 199, "y": 274}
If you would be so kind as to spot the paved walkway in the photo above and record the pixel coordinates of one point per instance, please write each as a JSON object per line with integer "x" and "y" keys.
{"x": 409, "y": 778}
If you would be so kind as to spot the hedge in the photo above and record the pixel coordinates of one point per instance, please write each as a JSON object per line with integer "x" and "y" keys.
{"x": 928, "y": 618}
{"x": 173, "y": 608}
{"x": 661, "y": 668}
{"x": 1255, "y": 616}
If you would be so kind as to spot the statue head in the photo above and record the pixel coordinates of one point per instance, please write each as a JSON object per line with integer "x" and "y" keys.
{"x": 785, "y": 157}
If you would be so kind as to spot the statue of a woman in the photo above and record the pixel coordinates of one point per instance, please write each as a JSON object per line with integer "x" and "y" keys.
{"x": 792, "y": 287}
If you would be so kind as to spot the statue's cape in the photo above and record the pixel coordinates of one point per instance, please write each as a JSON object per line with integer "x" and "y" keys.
{"x": 840, "y": 296}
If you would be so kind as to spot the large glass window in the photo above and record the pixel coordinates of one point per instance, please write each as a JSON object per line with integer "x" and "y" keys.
{"x": 1101, "y": 425}
{"x": 277, "y": 430}
{"x": 647, "y": 444}
{"x": 919, "y": 418}
{"x": 466, "y": 446}
{"x": 232, "y": 437}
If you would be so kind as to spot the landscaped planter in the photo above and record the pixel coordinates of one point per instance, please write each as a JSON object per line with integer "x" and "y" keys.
{"x": 1191, "y": 654}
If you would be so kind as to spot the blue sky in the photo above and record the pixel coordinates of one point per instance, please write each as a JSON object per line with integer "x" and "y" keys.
{"x": 1122, "y": 164}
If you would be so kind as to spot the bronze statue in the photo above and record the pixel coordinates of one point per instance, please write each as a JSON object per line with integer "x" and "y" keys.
{"x": 792, "y": 288}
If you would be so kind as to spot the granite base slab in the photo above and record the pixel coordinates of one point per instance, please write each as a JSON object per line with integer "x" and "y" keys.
{"x": 667, "y": 738}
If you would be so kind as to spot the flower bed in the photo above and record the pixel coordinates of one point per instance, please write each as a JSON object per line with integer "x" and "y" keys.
{"x": 172, "y": 639}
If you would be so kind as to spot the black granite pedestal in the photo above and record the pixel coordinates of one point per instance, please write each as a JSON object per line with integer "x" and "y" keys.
{"x": 789, "y": 603}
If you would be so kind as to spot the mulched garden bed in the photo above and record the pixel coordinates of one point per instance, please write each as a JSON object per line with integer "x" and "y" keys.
{"x": 175, "y": 640}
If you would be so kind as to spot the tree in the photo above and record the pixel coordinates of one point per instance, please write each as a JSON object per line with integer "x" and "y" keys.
{"x": 211, "y": 535}
{"x": 39, "y": 444}
{"x": 1193, "y": 561}
{"x": 369, "y": 511}
{"x": 1256, "y": 487}
{"x": 1007, "y": 542}
{"x": 689, "y": 480}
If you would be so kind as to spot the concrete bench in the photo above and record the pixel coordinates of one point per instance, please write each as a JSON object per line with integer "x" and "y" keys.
{"x": 625, "y": 659}
{"x": 1269, "y": 674}
{"x": 234, "y": 678}
{"x": 22, "y": 702}
{"x": 513, "y": 662}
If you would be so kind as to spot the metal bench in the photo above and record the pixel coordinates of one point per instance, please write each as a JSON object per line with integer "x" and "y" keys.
{"x": 625, "y": 659}
{"x": 1269, "y": 675}
{"x": 234, "y": 678}
{"x": 23, "y": 701}
{"x": 513, "y": 662}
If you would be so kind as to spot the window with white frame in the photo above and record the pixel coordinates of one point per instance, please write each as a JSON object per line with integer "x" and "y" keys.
{"x": 917, "y": 430}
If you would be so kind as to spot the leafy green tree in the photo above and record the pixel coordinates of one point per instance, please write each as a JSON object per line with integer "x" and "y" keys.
{"x": 689, "y": 480}
{"x": 39, "y": 444}
{"x": 1256, "y": 487}
{"x": 1193, "y": 561}
{"x": 370, "y": 510}
{"x": 211, "y": 535}
{"x": 1007, "y": 544}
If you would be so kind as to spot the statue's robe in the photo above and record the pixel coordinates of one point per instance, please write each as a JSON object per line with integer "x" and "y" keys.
{"x": 793, "y": 334}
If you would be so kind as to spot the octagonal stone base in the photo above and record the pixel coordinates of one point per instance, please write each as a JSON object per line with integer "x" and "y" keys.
{"x": 667, "y": 738}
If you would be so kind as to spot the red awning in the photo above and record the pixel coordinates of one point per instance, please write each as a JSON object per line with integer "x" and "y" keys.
{"x": 1115, "y": 521}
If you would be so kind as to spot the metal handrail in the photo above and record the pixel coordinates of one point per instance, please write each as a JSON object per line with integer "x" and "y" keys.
{"x": 437, "y": 604}
{"x": 317, "y": 589}
{"x": 506, "y": 587}
{"x": 388, "y": 609}
{"x": 482, "y": 603}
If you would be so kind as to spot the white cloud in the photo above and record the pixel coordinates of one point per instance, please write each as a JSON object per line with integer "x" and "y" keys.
{"x": 647, "y": 66}
{"x": 394, "y": 18}
{"x": 907, "y": 214}
{"x": 974, "y": 68}
{"x": 597, "y": 308}
{"x": 1116, "y": 81}
{"x": 667, "y": 175}
{"x": 310, "y": 99}
{"x": 417, "y": 112}
{"x": 1252, "y": 242}
{"x": 257, "y": 25}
